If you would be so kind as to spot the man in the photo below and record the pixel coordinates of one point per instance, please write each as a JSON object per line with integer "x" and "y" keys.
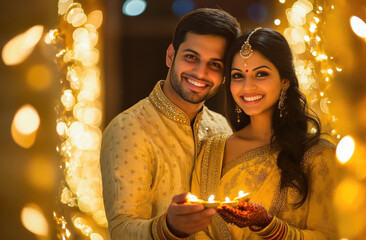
{"x": 148, "y": 151}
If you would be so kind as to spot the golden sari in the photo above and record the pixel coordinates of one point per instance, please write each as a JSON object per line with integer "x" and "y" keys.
{"x": 256, "y": 172}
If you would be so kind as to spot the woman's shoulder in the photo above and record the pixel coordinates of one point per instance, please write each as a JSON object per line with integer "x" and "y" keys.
{"x": 323, "y": 147}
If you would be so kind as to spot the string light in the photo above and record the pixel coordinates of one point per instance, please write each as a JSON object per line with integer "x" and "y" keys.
{"x": 80, "y": 116}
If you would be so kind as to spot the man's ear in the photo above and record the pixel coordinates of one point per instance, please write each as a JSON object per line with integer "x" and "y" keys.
{"x": 169, "y": 55}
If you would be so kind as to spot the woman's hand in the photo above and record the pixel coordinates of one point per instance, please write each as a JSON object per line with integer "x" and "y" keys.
{"x": 246, "y": 215}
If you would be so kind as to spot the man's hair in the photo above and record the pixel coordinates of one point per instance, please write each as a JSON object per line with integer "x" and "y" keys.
{"x": 206, "y": 21}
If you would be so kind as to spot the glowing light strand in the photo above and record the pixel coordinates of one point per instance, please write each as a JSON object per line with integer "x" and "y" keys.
{"x": 315, "y": 69}
{"x": 79, "y": 116}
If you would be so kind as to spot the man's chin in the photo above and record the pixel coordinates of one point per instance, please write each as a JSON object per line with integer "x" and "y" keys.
{"x": 195, "y": 100}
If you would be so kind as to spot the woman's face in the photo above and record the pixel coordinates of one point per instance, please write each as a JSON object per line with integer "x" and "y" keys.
{"x": 255, "y": 87}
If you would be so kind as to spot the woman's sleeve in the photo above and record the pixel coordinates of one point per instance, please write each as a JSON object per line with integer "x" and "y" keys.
{"x": 321, "y": 221}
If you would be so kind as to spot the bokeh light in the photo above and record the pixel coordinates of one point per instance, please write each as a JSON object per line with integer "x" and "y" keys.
{"x": 358, "y": 26}
{"x": 134, "y": 7}
{"x": 257, "y": 13}
{"x": 40, "y": 172}
{"x": 349, "y": 200}
{"x": 25, "y": 125}
{"x": 39, "y": 77}
{"x": 345, "y": 149}
{"x": 76, "y": 16}
{"x": 21, "y": 46}
{"x": 181, "y": 7}
{"x": 95, "y": 18}
{"x": 26, "y": 119}
{"x": 34, "y": 220}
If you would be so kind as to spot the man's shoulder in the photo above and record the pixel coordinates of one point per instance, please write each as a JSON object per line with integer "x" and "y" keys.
{"x": 208, "y": 113}
{"x": 210, "y": 117}
{"x": 132, "y": 114}
{"x": 213, "y": 123}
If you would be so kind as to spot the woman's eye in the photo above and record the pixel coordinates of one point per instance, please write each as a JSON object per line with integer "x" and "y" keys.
{"x": 262, "y": 74}
{"x": 237, "y": 75}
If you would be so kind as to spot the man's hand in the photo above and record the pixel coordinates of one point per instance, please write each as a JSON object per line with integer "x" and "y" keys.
{"x": 246, "y": 215}
{"x": 185, "y": 219}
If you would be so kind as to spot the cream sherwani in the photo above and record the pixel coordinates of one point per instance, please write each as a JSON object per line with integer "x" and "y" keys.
{"x": 147, "y": 157}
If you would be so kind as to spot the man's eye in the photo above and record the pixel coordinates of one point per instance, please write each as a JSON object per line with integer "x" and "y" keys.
{"x": 216, "y": 65}
{"x": 191, "y": 57}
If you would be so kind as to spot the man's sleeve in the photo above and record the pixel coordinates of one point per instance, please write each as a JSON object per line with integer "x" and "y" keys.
{"x": 126, "y": 167}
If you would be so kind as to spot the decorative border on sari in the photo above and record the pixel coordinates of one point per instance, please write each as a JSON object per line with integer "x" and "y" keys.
{"x": 249, "y": 158}
{"x": 210, "y": 177}
{"x": 321, "y": 145}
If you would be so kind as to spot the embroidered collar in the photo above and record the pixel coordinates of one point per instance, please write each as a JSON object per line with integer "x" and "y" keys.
{"x": 167, "y": 108}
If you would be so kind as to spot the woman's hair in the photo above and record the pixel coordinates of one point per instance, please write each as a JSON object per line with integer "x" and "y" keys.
{"x": 290, "y": 132}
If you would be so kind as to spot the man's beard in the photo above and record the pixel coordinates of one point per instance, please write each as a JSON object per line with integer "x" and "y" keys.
{"x": 191, "y": 96}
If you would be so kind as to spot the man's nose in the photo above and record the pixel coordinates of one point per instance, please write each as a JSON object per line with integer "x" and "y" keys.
{"x": 200, "y": 70}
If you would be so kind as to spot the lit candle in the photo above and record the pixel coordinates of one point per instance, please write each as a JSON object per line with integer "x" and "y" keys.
{"x": 193, "y": 199}
{"x": 211, "y": 203}
{"x": 234, "y": 203}
{"x": 243, "y": 197}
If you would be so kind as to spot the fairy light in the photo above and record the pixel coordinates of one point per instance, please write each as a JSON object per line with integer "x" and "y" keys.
{"x": 80, "y": 117}
{"x": 305, "y": 34}
{"x": 277, "y": 22}
{"x": 312, "y": 27}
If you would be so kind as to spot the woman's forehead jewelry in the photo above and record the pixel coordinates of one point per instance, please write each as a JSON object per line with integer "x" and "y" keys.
{"x": 246, "y": 49}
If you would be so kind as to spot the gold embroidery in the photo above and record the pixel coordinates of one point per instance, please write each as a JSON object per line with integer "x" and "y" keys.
{"x": 197, "y": 141}
{"x": 322, "y": 144}
{"x": 166, "y": 107}
{"x": 280, "y": 203}
{"x": 249, "y": 159}
{"x": 210, "y": 177}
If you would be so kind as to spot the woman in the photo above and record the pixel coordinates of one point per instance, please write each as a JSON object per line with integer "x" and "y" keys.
{"x": 289, "y": 172}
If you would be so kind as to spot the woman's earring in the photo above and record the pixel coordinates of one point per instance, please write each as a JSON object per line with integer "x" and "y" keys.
{"x": 281, "y": 102}
{"x": 238, "y": 111}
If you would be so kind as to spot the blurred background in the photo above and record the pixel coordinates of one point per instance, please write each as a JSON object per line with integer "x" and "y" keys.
{"x": 67, "y": 68}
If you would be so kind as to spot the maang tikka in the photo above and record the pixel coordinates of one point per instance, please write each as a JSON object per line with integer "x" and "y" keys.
{"x": 246, "y": 50}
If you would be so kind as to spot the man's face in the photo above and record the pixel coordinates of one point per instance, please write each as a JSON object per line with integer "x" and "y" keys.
{"x": 197, "y": 69}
